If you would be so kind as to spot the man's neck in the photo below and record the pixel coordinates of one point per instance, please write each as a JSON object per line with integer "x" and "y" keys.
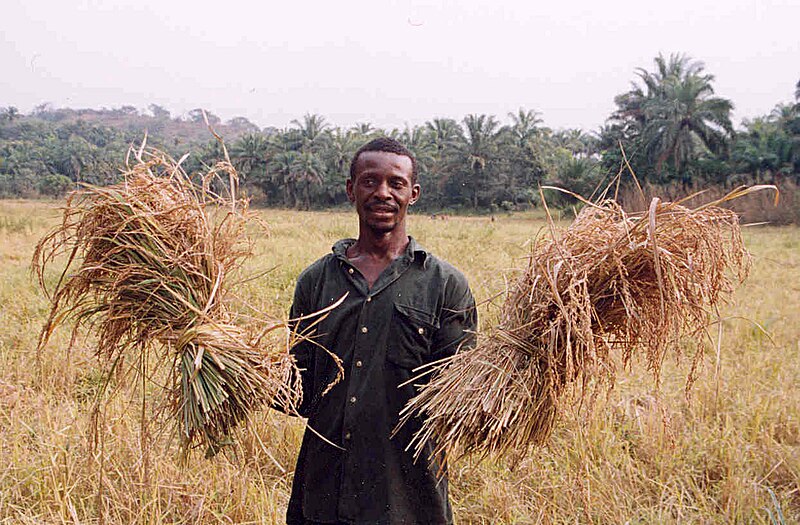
{"x": 379, "y": 245}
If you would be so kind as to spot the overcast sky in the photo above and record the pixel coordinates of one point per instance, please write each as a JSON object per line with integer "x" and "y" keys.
{"x": 390, "y": 63}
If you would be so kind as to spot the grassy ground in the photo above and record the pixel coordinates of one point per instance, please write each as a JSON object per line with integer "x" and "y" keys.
{"x": 730, "y": 454}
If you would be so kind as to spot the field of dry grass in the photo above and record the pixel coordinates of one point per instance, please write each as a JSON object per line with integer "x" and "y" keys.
{"x": 729, "y": 454}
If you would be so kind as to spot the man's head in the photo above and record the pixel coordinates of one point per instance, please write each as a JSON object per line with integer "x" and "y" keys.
{"x": 389, "y": 146}
{"x": 382, "y": 184}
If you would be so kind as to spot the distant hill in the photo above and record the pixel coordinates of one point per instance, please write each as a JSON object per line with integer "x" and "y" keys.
{"x": 158, "y": 122}
{"x": 51, "y": 150}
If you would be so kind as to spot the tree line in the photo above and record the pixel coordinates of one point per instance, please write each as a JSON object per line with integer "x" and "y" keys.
{"x": 670, "y": 128}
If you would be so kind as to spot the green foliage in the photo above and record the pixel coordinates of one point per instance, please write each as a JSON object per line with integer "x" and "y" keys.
{"x": 55, "y": 185}
{"x": 674, "y": 130}
{"x": 670, "y": 119}
{"x": 769, "y": 147}
{"x": 671, "y": 126}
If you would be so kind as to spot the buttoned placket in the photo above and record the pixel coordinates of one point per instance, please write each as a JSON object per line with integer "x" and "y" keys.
{"x": 363, "y": 348}
{"x": 363, "y": 338}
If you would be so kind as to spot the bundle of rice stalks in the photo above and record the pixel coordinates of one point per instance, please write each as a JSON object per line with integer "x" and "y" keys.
{"x": 149, "y": 262}
{"x": 611, "y": 284}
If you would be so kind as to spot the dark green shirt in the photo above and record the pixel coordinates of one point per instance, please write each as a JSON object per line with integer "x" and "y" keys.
{"x": 419, "y": 310}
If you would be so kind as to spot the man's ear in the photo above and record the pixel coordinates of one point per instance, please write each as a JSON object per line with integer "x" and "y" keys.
{"x": 416, "y": 189}
{"x": 349, "y": 189}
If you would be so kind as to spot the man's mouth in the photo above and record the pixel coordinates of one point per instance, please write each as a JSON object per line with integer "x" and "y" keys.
{"x": 382, "y": 209}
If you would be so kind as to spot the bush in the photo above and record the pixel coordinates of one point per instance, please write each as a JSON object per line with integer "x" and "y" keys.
{"x": 54, "y": 185}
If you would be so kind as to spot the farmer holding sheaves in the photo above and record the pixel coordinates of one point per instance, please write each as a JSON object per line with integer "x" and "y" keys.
{"x": 404, "y": 308}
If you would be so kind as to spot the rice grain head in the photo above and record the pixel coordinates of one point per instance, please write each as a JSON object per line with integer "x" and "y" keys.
{"x": 148, "y": 266}
{"x": 610, "y": 284}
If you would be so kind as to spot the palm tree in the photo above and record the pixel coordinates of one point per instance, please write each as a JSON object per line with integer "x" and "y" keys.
{"x": 342, "y": 146}
{"x": 523, "y": 146}
{"x": 281, "y": 167}
{"x": 476, "y": 153}
{"x": 794, "y": 129}
{"x": 578, "y": 174}
{"x": 249, "y": 155}
{"x": 675, "y": 113}
{"x": 524, "y": 125}
{"x": 307, "y": 170}
{"x": 417, "y": 141}
{"x": 311, "y": 132}
{"x": 364, "y": 130}
{"x": 308, "y": 141}
{"x": 443, "y": 133}
{"x": 786, "y": 118}
{"x": 631, "y": 104}
{"x": 764, "y": 150}
{"x": 687, "y": 120}
{"x": 337, "y": 155}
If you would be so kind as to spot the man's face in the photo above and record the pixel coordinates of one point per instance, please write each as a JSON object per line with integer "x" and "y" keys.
{"x": 382, "y": 189}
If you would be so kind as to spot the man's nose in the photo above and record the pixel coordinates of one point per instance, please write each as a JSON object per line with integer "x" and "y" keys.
{"x": 382, "y": 191}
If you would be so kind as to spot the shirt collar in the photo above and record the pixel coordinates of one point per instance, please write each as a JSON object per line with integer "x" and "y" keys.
{"x": 414, "y": 250}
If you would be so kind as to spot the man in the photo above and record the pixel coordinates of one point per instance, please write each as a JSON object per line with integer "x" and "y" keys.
{"x": 404, "y": 308}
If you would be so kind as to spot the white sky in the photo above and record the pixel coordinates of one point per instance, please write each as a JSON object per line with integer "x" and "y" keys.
{"x": 388, "y": 62}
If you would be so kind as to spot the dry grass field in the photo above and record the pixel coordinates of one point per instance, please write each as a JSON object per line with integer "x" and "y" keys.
{"x": 730, "y": 453}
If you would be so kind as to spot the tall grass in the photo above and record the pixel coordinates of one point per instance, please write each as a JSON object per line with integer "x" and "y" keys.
{"x": 720, "y": 458}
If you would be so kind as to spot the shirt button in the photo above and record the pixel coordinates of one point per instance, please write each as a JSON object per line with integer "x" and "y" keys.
{"x": 369, "y": 299}
{"x": 364, "y": 330}
{"x": 350, "y": 271}
{"x": 421, "y": 331}
{"x": 353, "y": 399}
{"x": 347, "y": 435}
{"x": 359, "y": 364}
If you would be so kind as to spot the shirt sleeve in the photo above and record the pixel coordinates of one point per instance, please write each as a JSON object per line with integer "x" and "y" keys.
{"x": 302, "y": 351}
{"x": 458, "y": 321}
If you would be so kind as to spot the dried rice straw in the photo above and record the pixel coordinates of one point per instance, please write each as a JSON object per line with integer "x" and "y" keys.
{"x": 148, "y": 267}
{"x": 612, "y": 282}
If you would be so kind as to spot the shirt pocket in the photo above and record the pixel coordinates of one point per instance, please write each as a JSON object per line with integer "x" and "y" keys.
{"x": 410, "y": 335}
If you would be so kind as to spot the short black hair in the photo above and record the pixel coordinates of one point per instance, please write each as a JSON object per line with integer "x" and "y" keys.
{"x": 388, "y": 145}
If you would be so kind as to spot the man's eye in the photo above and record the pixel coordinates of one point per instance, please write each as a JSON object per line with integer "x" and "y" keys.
{"x": 398, "y": 183}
